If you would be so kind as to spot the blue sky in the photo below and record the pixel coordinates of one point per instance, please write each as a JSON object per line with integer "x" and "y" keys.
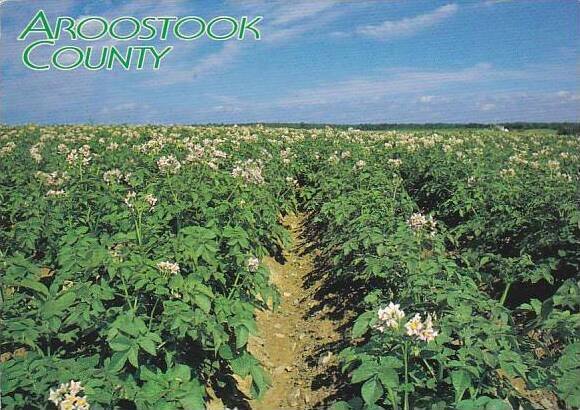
{"x": 318, "y": 61}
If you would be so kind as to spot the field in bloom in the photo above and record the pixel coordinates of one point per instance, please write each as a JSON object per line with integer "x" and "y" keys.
{"x": 131, "y": 263}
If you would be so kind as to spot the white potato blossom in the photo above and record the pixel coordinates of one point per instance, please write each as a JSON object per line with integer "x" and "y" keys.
{"x": 421, "y": 330}
{"x": 81, "y": 156}
{"x": 419, "y": 222}
{"x": 553, "y": 165}
{"x": 395, "y": 162}
{"x": 428, "y": 334}
{"x": 334, "y": 159}
{"x": 564, "y": 176}
{"x": 130, "y": 199}
{"x": 53, "y": 179}
{"x": 414, "y": 327}
{"x": 471, "y": 181}
{"x": 360, "y": 164}
{"x": 250, "y": 170}
{"x": 253, "y": 264}
{"x": 151, "y": 201}
{"x": 66, "y": 285}
{"x": 66, "y": 397}
{"x": 35, "y": 152}
{"x": 291, "y": 181}
{"x": 113, "y": 175}
{"x": 8, "y": 148}
{"x": 53, "y": 192}
{"x": 168, "y": 164}
{"x": 168, "y": 267}
{"x": 389, "y": 317}
{"x": 507, "y": 172}
{"x": 62, "y": 148}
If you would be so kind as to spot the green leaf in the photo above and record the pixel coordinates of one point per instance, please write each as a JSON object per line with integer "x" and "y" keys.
{"x": 36, "y": 286}
{"x": 181, "y": 372}
{"x": 133, "y": 356}
{"x": 389, "y": 377}
{"x": 225, "y": 352}
{"x": 148, "y": 345}
{"x": 243, "y": 364}
{"x": 371, "y": 391}
{"x": 203, "y": 302}
{"x": 461, "y": 380}
{"x": 54, "y": 307}
{"x": 260, "y": 381}
{"x": 364, "y": 372}
{"x": 362, "y": 324}
{"x": 117, "y": 362}
{"x": 340, "y": 405}
{"x": 192, "y": 402}
{"x": 121, "y": 344}
{"x": 497, "y": 404}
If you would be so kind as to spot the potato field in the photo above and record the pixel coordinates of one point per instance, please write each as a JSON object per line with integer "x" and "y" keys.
{"x": 135, "y": 263}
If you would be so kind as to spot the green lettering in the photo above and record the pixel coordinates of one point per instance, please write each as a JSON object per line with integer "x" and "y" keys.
{"x": 102, "y": 21}
{"x": 26, "y": 55}
{"x": 249, "y": 26}
{"x": 125, "y": 60}
{"x": 165, "y": 27}
{"x": 159, "y": 56}
{"x": 68, "y": 28}
{"x": 177, "y": 28}
{"x": 89, "y": 53}
{"x": 146, "y": 25}
{"x": 78, "y": 62}
{"x": 222, "y": 37}
{"x": 133, "y": 20}
{"x": 30, "y": 28}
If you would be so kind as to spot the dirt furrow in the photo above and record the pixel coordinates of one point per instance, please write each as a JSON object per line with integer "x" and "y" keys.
{"x": 295, "y": 339}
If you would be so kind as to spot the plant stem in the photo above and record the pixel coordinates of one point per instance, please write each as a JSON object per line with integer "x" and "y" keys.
{"x": 152, "y": 312}
{"x": 127, "y": 297}
{"x": 505, "y": 293}
{"x": 138, "y": 228}
{"x": 393, "y": 399}
{"x": 235, "y": 285}
{"x": 406, "y": 361}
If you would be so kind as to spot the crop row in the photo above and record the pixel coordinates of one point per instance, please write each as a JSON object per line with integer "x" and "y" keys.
{"x": 464, "y": 252}
{"x": 131, "y": 262}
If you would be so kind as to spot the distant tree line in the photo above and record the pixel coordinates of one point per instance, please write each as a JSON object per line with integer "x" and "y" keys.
{"x": 562, "y": 128}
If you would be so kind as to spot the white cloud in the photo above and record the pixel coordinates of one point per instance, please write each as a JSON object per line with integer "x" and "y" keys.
{"x": 123, "y": 107}
{"x": 395, "y": 82}
{"x": 567, "y": 96}
{"x": 300, "y": 11}
{"x": 494, "y": 2}
{"x": 277, "y": 32}
{"x": 426, "y": 99}
{"x": 487, "y": 107}
{"x": 220, "y": 59}
{"x": 408, "y": 26}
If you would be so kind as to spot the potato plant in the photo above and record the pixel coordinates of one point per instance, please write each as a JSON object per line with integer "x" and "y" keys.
{"x": 131, "y": 262}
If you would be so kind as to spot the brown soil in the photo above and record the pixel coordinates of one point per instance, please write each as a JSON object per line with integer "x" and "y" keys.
{"x": 294, "y": 337}
{"x": 298, "y": 341}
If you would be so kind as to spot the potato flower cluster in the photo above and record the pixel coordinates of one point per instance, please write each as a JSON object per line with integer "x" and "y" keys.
{"x": 66, "y": 397}
{"x": 391, "y": 317}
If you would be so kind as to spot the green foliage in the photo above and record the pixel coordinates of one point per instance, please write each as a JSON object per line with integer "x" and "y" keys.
{"x": 131, "y": 274}
{"x": 506, "y": 220}
{"x": 128, "y": 260}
